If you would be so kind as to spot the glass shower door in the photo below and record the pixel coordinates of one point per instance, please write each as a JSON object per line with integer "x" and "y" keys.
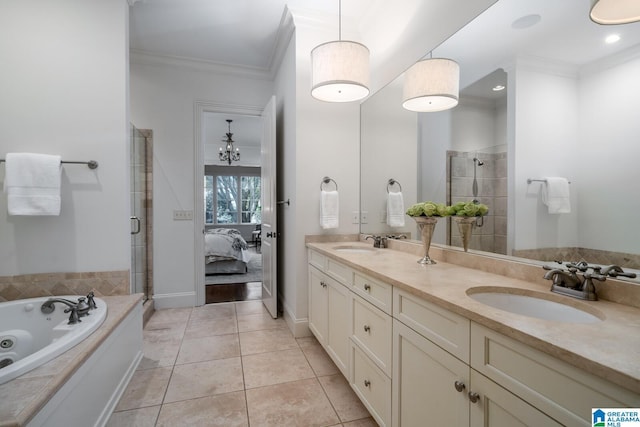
{"x": 139, "y": 217}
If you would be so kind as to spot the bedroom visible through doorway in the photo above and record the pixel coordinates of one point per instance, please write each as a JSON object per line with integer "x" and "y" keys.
{"x": 232, "y": 209}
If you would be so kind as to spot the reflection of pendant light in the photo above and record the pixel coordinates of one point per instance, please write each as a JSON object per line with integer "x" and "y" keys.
{"x": 615, "y": 11}
{"x": 431, "y": 85}
{"x": 340, "y": 69}
{"x": 229, "y": 154}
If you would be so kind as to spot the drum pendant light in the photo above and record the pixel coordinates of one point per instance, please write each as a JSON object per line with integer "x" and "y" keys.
{"x": 431, "y": 85}
{"x": 340, "y": 69}
{"x": 609, "y": 12}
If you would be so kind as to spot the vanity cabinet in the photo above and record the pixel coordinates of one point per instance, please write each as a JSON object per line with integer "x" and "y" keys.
{"x": 329, "y": 316}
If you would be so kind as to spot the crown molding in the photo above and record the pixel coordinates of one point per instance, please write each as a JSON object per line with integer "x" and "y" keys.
{"x": 611, "y": 61}
{"x": 148, "y": 58}
{"x": 286, "y": 30}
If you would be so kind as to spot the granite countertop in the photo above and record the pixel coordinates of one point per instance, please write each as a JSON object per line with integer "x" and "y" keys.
{"x": 23, "y": 397}
{"x": 609, "y": 349}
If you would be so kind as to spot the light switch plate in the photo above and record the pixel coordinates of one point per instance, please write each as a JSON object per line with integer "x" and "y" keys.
{"x": 182, "y": 215}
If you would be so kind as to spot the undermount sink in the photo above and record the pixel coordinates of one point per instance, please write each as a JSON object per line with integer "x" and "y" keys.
{"x": 533, "y": 304}
{"x": 354, "y": 249}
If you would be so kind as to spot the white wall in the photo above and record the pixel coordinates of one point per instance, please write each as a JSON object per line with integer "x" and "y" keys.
{"x": 64, "y": 91}
{"x": 546, "y": 144}
{"x": 609, "y": 151}
{"x": 162, "y": 99}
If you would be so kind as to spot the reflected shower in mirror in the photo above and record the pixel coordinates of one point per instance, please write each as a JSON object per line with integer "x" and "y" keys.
{"x": 566, "y": 108}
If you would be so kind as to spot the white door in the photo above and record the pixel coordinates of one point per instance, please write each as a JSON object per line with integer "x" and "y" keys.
{"x": 269, "y": 209}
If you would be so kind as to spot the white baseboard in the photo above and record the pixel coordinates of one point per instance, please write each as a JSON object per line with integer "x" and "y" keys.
{"x": 298, "y": 327}
{"x": 177, "y": 300}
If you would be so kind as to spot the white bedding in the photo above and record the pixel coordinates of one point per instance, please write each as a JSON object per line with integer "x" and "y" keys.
{"x": 225, "y": 244}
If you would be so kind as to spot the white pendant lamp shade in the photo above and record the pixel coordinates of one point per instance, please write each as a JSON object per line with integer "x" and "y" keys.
{"x": 610, "y": 12}
{"x": 340, "y": 71}
{"x": 431, "y": 85}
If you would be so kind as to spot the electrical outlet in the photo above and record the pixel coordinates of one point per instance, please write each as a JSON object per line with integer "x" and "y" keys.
{"x": 182, "y": 215}
{"x": 364, "y": 217}
{"x": 355, "y": 217}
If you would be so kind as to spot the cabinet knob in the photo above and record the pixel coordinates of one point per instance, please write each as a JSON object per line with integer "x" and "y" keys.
{"x": 367, "y": 328}
{"x": 367, "y": 383}
{"x": 474, "y": 397}
{"x": 367, "y": 287}
{"x": 459, "y": 385}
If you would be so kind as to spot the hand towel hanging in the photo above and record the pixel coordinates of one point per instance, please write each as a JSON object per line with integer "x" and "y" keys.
{"x": 555, "y": 194}
{"x": 32, "y": 184}
{"x": 395, "y": 209}
{"x": 329, "y": 209}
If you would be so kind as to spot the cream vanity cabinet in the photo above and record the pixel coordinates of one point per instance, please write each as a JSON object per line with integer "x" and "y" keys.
{"x": 451, "y": 371}
{"x": 329, "y": 310}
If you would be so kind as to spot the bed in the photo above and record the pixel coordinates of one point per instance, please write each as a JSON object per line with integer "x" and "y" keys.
{"x": 225, "y": 252}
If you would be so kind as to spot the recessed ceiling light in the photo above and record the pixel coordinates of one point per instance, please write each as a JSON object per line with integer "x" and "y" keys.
{"x": 612, "y": 38}
{"x": 526, "y": 21}
{"x": 498, "y": 88}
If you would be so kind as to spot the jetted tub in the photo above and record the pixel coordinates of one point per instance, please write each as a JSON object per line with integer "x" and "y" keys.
{"x": 30, "y": 338}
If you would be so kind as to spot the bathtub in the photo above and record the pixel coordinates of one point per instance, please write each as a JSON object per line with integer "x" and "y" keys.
{"x": 30, "y": 338}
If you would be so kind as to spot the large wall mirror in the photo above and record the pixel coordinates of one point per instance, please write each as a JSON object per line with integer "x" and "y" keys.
{"x": 569, "y": 108}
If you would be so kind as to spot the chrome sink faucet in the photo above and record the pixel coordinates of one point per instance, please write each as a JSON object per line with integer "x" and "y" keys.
{"x": 567, "y": 281}
{"x": 378, "y": 241}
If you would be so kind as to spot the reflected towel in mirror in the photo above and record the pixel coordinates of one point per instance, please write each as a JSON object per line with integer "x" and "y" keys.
{"x": 555, "y": 194}
{"x": 395, "y": 209}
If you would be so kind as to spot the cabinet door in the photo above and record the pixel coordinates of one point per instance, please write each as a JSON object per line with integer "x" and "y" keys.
{"x": 497, "y": 407}
{"x": 424, "y": 383}
{"x": 338, "y": 323}
{"x": 318, "y": 304}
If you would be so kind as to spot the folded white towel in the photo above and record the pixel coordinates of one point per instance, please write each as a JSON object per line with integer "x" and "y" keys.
{"x": 395, "y": 209}
{"x": 329, "y": 209}
{"x": 32, "y": 184}
{"x": 555, "y": 194}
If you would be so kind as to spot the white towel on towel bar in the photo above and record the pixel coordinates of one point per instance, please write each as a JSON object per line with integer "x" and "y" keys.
{"x": 395, "y": 209}
{"x": 32, "y": 184}
{"x": 329, "y": 209}
{"x": 555, "y": 194}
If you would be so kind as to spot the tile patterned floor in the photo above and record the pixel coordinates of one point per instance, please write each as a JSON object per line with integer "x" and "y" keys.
{"x": 232, "y": 365}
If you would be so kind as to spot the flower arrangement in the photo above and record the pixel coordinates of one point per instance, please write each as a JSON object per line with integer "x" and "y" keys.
{"x": 430, "y": 209}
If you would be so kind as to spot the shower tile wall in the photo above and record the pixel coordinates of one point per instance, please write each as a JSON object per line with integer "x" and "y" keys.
{"x": 492, "y": 191}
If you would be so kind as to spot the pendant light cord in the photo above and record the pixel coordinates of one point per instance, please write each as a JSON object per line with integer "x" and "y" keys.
{"x": 339, "y": 20}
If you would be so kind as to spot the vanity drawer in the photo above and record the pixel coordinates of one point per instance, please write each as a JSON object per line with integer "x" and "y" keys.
{"x": 371, "y": 385}
{"x": 444, "y": 328}
{"x": 340, "y": 272}
{"x": 558, "y": 389}
{"x": 377, "y": 293}
{"x": 317, "y": 260}
{"x": 371, "y": 330}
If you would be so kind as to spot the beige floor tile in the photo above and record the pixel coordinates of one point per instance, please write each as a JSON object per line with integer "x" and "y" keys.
{"x": 300, "y": 403}
{"x": 250, "y": 307}
{"x": 214, "y": 311}
{"x": 344, "y": 400}
{"x": 209, "y": 327}
{"x": 143, "y": 417}
{"x": 146, "y": 388}
{"x": 259, "y": 322}
{"x": 307, "y": 341}
{"x": 366, "y": 422}
{"x": 202, "y": 379}
{"x": 274, "y": 368}
{"x": 208, "y": 348}
{"x": 171, "y": 316}
{"x": 159, "y": 351}
{"x": 266, "y": 341}
{"x": 224, "y": 410}
{"x": 319, "y": 360}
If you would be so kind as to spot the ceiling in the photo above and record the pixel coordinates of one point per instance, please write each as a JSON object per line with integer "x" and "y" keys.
{"x": 238, "y": 33}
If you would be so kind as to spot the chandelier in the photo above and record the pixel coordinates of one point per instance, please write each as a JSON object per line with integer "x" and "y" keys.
{"x": 229, "y": 154}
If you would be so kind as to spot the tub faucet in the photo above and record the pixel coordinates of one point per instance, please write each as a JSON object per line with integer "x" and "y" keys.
{"x": 48, "y": 307}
